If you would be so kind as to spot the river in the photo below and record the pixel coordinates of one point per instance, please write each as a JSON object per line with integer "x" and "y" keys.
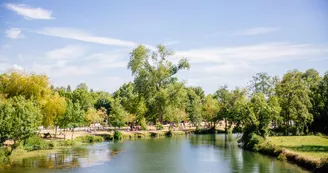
{"x": 182, "y": 154}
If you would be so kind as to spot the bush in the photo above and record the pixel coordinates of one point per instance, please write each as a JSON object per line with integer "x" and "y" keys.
{"x": 90, "y": 139}
{"x": 143, "y": 124}
{"x": 35, "y": 143}
{"x": 159, "y": 126}
{"x": 169, "y": 133}
{"x": 4, "y": 157}
{"x": 253, "y": 141}
{"x": 237, "y": 129}
{"x": 118, "y": 135}
{"x": 66, "y": 143}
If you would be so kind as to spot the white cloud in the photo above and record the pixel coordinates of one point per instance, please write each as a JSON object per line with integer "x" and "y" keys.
{"x": 256, "y": 31}
{"x": 171, "y": 42}
{"x": 66, "y": 53}
{"x": 17, "y": 67}
{"x": 30, "y": 12}
{"x": 252, "y": 53}
{"x": 14, "y": 33}
{"x": 75, "y": 34}
{"x": 114, "y": 59}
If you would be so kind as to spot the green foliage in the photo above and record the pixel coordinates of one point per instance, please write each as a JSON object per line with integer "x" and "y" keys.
{"x": 90, "y": 139}
{"x": 143, "y": 124}
{"x": 35, "y": 143}
{"x": 210, "y": 109}
{"x": 118, "y": 135}
{"x": 295, "y": 102}
{"x": 169, "y": 133}
{"x": 194, "y": 104}
{"x": 159, "y": 126}
{"x": 154, "y": 81}
{"x": 73, "y": 117}
{"x": 118, "y": 115}
{"x": 19, "y": 118}
{"x": 66, "y": 143}
{"x": 4, "y": 157}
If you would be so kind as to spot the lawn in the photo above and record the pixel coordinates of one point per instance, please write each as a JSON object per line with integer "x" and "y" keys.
{"x": 313, "y": 147}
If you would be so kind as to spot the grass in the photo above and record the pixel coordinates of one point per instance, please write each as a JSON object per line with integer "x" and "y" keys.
{"x": 312, "y": 147}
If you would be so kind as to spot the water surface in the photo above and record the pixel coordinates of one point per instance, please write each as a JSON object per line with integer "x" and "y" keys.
{"x": 184, "y": 154}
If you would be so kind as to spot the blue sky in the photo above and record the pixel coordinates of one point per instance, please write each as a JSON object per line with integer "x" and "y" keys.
{"x": 226, "y": 42}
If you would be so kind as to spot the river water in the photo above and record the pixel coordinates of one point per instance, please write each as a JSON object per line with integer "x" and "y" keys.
{"x": 183, "y": 154}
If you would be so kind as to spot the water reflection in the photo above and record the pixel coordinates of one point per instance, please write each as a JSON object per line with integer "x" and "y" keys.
{"x": 194, "y": 153}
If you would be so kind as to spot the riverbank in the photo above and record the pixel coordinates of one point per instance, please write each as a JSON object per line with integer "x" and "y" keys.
{"x": 36, "y": 146}
{"x": 309, "y": 152}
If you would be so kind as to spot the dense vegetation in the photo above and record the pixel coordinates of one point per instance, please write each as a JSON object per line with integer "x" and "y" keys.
{"x": 295, "y": 104}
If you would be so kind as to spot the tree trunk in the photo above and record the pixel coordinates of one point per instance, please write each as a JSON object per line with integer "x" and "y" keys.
{"x": 56, "y": 130}
{"x": 225, "y": 125}
{"x": 64, "y": 133}
{"x": 72, "y": 133}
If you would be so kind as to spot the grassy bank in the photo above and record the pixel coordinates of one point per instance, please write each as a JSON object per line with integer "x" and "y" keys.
{"x": 36, "y": 146}
{"x": 306, "y": 151}
{"x": 312, "y": 147}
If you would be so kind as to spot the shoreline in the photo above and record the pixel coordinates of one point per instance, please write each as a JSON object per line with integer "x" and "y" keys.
{"x": 266, "y": 148}
{"x": 284, "y": 154}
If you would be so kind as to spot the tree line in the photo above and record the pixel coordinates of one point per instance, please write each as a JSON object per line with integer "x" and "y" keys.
{"x": 296, "y": 103}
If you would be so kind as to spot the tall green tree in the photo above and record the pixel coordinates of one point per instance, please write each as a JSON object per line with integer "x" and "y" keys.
{"x": 73, "y": 117}
{"x": 312, "y": 80}
{"x": 194, "y": 105}
{"x": 210, "y": 111}
{"x": 153, "y": 76}
{"x": 261, "y": 113}
{"x": 118, "y": 116}
{"x": 295, "y": 102}
{"x": 19, "y": 119}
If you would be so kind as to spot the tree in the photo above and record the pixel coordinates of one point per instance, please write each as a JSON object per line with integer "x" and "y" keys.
{"x": 103, "y": 100}
{"x": 153, "y": 75}
{"x": 321, "y": 119}
{"x": 194, "y": 106}
{"x": 295, "y": 102}
{"x": 210, "y": 110}
{"x": 52, "y": 110}
{"x": 118, "y": 115}
{"x": 261, "y": 113}
{"x": 94, "y": 116}
{"x": 83, "y": 97}
{"x": 35, "y": 86}
{"x": 73, "y": 117}
{"x": 312, "y": 80}
{"x": 68, "y": 89}
{"x": 19, "y": 118}
{"x": 262, "y": 83}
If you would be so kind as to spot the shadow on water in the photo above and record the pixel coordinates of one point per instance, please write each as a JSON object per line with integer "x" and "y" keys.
{"x": 242, "y": 161}
{"x": 193, "y": 153}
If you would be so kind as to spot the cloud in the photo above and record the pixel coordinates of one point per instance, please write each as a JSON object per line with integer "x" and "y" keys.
{"x": 30, "y": 12}
{"x": 14, "y": 33}
{"x": 113, "y": 59}
{"x": 256, "y": 31}
{"x": 66, "y": 53}
{"x": 252, "y": 53}
{"x": 75, "y": 34}
{"x": 171, "y": 42}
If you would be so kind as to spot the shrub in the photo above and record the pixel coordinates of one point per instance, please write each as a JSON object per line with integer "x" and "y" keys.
{"x": 159, "y": 126}
{"x": 143, "y": 124}
{"x": 253, "y": 141}
{"x": 4, "y": 157}
{"x": 118, "y": 135}
{"x": 90, "y": 139}
{"x": 66, "y": 143}
{"x": 169, "y": 133}
{"x": 35, "y": 143}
